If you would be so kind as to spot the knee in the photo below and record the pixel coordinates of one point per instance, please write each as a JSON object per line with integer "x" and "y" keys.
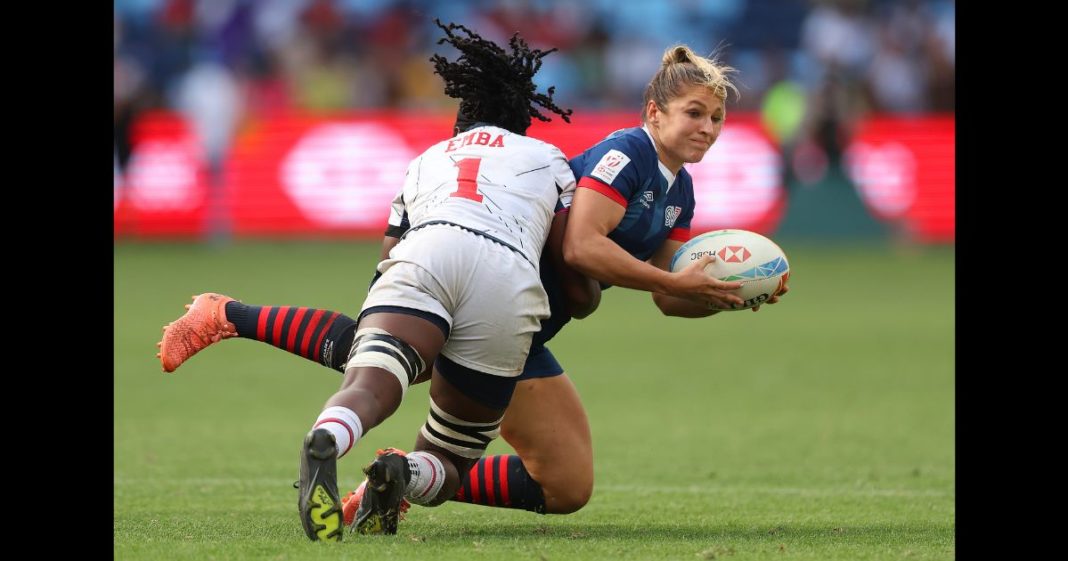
{"x": 510, "y": 434}
{"x": 568, "y": 490}
{"x": 566, "y": 499}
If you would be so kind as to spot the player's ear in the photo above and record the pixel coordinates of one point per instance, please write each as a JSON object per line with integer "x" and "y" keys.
{"x": 652, "y": 113}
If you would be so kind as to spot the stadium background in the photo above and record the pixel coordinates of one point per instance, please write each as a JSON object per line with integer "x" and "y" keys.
{"x": 291, "y": 117}
{"x": 257, "y": 144}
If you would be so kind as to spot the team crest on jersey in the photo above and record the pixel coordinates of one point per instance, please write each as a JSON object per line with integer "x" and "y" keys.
{"x": 671, "y": 214}
{"x": 610, "y": 165}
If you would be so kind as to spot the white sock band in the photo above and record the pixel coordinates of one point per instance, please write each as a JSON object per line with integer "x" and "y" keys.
{"x": 378, "y": 349}
{"x": 428, "y": 475}
{"x": 463, "y": 438}
{"x": 343, "y": 423}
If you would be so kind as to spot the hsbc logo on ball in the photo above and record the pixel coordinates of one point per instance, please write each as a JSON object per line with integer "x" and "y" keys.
{"x": 728, "y": 254}
{"x": 733, "y": 254}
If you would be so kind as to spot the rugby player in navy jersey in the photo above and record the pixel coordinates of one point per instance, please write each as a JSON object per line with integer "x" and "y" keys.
{"x": 637, "y": 203}
{"x": 635, "y": 200}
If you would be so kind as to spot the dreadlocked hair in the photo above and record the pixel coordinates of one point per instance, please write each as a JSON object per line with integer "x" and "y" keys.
{"x": 492, "y": 85}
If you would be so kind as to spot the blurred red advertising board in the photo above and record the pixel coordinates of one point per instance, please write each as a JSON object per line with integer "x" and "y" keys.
{"x": 298, "y": 175}
{"x": 905, "y": 170}
{"x": 163, "y": 190}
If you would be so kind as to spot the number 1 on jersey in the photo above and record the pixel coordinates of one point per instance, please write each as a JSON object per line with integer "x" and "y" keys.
{"x": 467, "y": 179}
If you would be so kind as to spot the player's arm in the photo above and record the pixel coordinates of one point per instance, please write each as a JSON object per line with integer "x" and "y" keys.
{"x": 588, "y": 249}
{"x": 396, "y": 225}
{"x": 388, "y": 243}
{"x": 581, "y": 293}
{"x": 671, "y": 305}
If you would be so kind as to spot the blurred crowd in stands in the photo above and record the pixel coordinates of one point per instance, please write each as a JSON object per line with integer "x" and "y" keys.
{"x": 809, "y": 67}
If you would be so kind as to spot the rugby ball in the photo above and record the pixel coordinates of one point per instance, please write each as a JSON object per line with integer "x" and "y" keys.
{"x": 743, "y": 256}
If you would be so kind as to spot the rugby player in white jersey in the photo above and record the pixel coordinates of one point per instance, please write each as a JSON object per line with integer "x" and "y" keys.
{"x": 461, "y": 288}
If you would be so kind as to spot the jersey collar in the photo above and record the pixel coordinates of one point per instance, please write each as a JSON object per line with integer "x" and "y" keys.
{"x": 670, "y": 177}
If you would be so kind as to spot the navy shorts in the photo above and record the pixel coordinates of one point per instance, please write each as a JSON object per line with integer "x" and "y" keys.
{"x": 496, "y": 391}
{"x": 540, "y": 364}
{"x": 487, "y": 389}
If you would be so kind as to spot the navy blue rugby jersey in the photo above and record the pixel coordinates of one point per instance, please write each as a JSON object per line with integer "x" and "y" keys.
{"x": 624, "y": 167}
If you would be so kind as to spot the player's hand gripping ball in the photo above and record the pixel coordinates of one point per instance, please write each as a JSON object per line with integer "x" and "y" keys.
{"x": 754, "y": 260}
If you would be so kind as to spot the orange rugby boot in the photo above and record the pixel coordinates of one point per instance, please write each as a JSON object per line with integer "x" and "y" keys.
{"x": 205, "y": 323}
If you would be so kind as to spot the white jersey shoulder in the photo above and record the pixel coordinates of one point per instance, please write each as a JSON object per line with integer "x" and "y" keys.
{"x": 490, "y": 180}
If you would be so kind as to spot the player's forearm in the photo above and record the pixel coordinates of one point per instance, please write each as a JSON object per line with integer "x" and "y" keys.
{"x": 388, "y": 243}
{"x": 600, "y": 258}
{"x": 680, "y": 307}
{"x": 581, "y": 293}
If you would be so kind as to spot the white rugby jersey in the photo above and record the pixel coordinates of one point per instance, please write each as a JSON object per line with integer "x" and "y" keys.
{"x": 504, "y": 185}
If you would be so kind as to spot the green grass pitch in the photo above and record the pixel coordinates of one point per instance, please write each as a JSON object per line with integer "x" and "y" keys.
{"x": 820, "y": 428}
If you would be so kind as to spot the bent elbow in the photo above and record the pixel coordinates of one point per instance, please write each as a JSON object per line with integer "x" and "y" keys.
{"x": 583, "y": 313}
{"x": 662, "y": 303}
{"x": 584, "y": 304}
{"x": 571, "y": 254}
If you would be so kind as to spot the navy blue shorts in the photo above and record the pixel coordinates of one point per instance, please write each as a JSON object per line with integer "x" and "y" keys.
{"x": 540, "y": 364}
{"x": 496, "y": 391}
{"x": 487, "y": 389}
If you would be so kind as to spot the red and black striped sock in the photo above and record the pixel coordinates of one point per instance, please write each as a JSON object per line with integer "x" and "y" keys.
{"x": 317, "y": 335}
{"x": 501, "y": 481}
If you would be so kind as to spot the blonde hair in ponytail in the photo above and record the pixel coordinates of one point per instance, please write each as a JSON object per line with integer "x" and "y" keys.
{"x": 681, "y": 68}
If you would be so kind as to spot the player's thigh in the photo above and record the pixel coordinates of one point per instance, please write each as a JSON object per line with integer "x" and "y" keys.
{"x": 465, "y": 417}
{"x": 499, "y": 313}
{"x": 407, "y": 303}
{"x": 421, "y": 330}
{"x": 547, "y": 426}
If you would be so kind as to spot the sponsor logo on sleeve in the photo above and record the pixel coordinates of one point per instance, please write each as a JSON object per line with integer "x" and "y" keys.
{"x": 610, "y": 165}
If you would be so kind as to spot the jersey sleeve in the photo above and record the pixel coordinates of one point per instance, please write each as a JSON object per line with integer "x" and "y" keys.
{"x": 398, "y": 213}
{"x": 564, "y": 178}
{"x": 611, "y": 169}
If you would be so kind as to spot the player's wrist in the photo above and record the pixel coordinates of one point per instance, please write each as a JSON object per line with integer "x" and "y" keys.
{"x": 667, "y": 283}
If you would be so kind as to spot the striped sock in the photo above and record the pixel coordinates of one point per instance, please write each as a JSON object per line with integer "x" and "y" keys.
{"x": 501, "y": 481}
{"x": 318, "y": 335}
{"x": 428, "y": 475}
{"x": 343, "y": 423}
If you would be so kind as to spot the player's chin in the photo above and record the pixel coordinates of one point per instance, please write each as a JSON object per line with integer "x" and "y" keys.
{"x": 696, "y": 153}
